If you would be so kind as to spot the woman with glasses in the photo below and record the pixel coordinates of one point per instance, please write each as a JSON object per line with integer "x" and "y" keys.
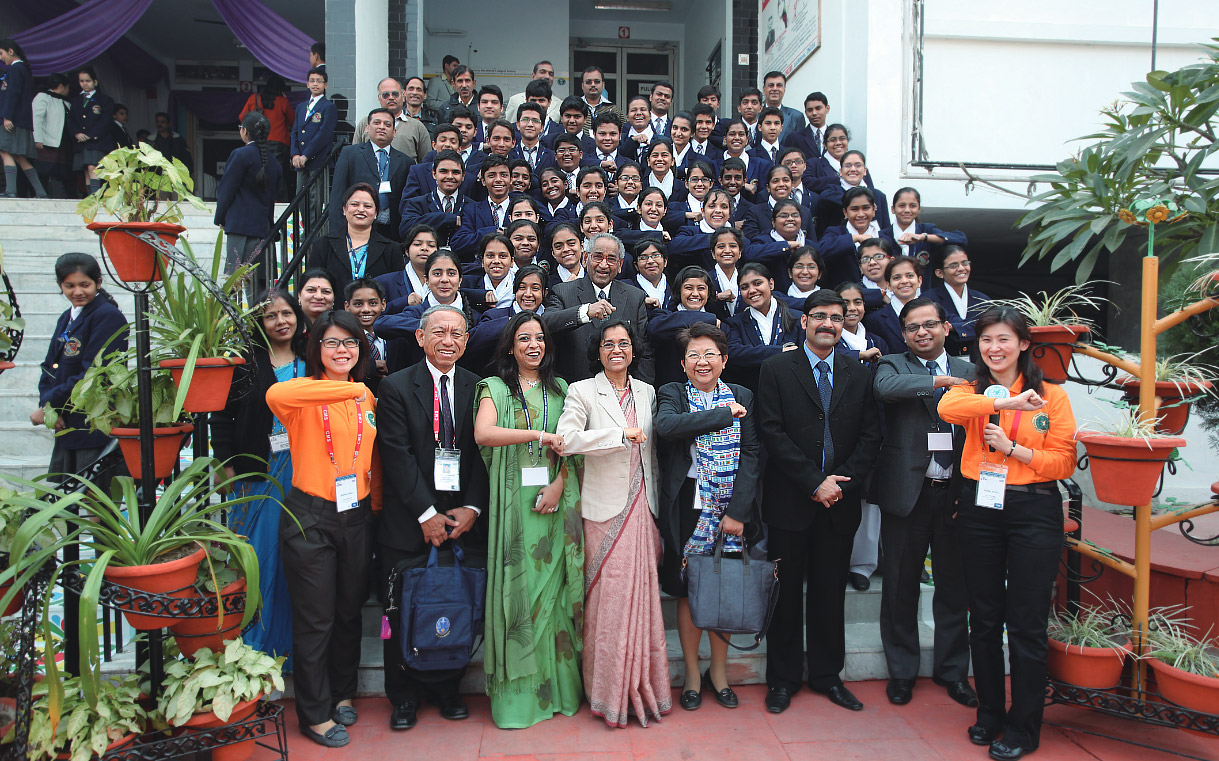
{"x": 699, "y": 178}
{"x": 325, "y": 536}
{"x": 779, "y": 185}
{"x": 787, "y": 233}
{"x": 608, "y": 420}
{"x": 710, "y": 452}
{"x": 692, "y": 244}
{"x": 693, "y": 290}
{"x": 911, "y": 236}
{"x": 962, "y": 303}
{"x": 826, "y": 171}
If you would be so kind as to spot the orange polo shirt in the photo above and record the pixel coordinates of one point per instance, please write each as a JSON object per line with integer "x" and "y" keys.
{"x": 298, "y": 405}
{"x": 1049, "y": 432}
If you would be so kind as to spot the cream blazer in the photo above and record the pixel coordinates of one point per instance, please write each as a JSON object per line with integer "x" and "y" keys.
{"x": 593, "y": 425}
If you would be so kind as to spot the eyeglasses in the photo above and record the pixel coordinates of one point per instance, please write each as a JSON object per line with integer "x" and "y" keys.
{"x": 692, "y": 180}
{"x": 788, "y": 216}
{"x": 869, "y": 258}
{"x": 566, "y": 149}
{"x": 837, "y": 319}
{"x": 611, "y": 345}
{"x": 334, "y": 343}
{"x": 390, "y": 93}
{"x": 810, "y": 267}
{"x": 649, "y": 256}
{"x": 529, "y": 120}
{"x": 838, "y": 139}
{"x": 853, "y": 165}
{"x": 710, "y": 356}
{"x": 956, "y": 266}
{"x": 598, "y": 258}
{"x": 913, "y": 327}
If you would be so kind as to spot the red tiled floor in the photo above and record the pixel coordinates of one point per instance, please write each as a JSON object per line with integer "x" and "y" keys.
{"x": 930, "y": 728}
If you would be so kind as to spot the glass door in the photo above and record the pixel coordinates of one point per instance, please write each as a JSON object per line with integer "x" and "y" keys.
{"x": 629, "y": 70}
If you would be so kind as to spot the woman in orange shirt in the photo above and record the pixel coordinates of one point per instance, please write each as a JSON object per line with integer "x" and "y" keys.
{"x": 1019, "y": 442}
{"x": 274, "y": 105}
{"x": 326, "y": 540}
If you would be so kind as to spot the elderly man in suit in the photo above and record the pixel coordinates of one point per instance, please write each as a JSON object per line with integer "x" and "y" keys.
{"x": 917, "y": 498}
{"x": 576, "y": 309}
{"x": 377, "y": 163}
{"x": 820, "y": 425}
{"x": 417, "y": 512}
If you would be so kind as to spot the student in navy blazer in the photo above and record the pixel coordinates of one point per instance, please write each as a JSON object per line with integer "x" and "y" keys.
{"x": 399, "y": 286}
{"x": 857, "y": 341}
{"x": 440, "y": 209}
{"x": 693, "y": 288}
{"x": 904, "y": 275}
{"x": 313, "y": 128}
{"x": 17, "y": 145}
{"x": 788, "y": 220}
{"x": 747, "y": 347}
{"x": 245, "y": 196}
{"x": 89, "y": 121}
{"x": 779, "y": 184}
{"x": 478, "y": 217}
{"x": 360, "y": 163}
{"x": 952, "y": 264}
{"x": 912, "y": 237}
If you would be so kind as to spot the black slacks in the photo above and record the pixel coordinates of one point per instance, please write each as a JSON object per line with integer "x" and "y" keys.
{"x": 906, "y": 540}
{"x": 1011, "y": 558}
{"x": 821, "y": 554}
{"x": 402, "y": 683}
{"x": 327, "y": 571}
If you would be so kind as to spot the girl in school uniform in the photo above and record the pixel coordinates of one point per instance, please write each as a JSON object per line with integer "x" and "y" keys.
{"x": 910, "y": 236}
{"x": 271, "y": 102}
{"x": 700, "y": 178}
{"x": 659, "y": 158}
{"x": 17, "y": 116}
{"x": 91, "y": 329}
{"x": 91, "y": 116}
{"x": 629, "y": 182}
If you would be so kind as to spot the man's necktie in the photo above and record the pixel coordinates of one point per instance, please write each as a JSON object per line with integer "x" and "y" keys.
{"x": 944, "y": 458}
{"x": 383, "y": 171}
{"x": 795, "y": 196}
{"x": 658, "y": 126}
{"x": 817, "y": 149}
{"x": 826, "y": 391}
{"x": 448, "y": 205}
{"x": 495, "y": 214}
{"x": 774, "y": 155}
{"x": 372, "y": 346}
{"x": 446, "y": 414}
{"x": 601, "y": 294}
{"x": 531, "y": 155}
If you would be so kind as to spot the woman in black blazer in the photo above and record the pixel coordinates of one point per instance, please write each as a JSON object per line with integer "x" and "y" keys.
{"x": 245, "y": 197}
{"x": 359, "y": 250}
{"x": 687, "y": 414}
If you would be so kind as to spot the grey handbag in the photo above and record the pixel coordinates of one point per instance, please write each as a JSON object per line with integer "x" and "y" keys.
{"x": 733, "y": 595}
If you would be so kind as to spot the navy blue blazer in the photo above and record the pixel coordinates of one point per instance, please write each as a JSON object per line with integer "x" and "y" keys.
{"x": 921, "y": 250}
{"x": 242, "y": 208}
{"x": 663, "y": 326}
{"x": 976, "y": 303}
{"x": 358, "y": 163}
{"x": 420, "y": 182}
{"x": 885, "y": 324}
{"x": 829, "y": 208}
{"x": 819, "y": 175}
{"x": 747, "y": 348}
{"x": 874, "y": 342}
{"x": 565, "y": 214}
{"x": 802, "y": 139}
{"x": 721, "y": 128}
{"x": 17, "y": 95}
{"x": 93, "y": 116}
{"x": 840, "y": 255}
{"x": 428, "y": 210}
{"x": 545, "y": 158}
{"x": 756, "y": 169}
{"x": 476, "y": 221}
{"x": 313, "y": 135}
{"x": 793, "y": 122}
{"x": 587, "y": 144}
{"x": 758, "y": 222}
{"x": 397, "y": 288}
{"x": 75, "y": 346}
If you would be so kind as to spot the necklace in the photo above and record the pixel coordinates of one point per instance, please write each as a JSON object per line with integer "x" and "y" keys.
{"x": 526, "y": 382}
{"x": 622, "y": 390}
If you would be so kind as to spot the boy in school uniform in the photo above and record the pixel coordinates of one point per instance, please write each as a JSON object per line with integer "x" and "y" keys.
{"x": 770, "y": 127}
{"x": 313, "y": 135}
{"x": 441, "y": 208}
{"x": 639, "y": 132}
{"x": 736, "y": 142}
{"x": 573, "y": 120}
{"x": 419, "y": 180}
{"x": 483, "y": 217}
{"x": 607, "y": 133}
{"x": 704, "y": 125}
{"x": 529, "y": 120}
{"x": 490, "y": 110}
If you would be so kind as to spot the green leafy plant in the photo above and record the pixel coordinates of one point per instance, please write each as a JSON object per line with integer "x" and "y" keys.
{"x": 1197, "y": 336}
{"x": 82, "y": 728}
{"x": 1059, "y": 308}
{"x": 108, "y": 395}
{"x": 1124, "y": 423}
{"x": 1092, "y": 626}
{"x": 1170, "y": 638}
{"x": 132, "y": 179}
{"x": 218, "y": 681}
{"x": 217, "y": 570}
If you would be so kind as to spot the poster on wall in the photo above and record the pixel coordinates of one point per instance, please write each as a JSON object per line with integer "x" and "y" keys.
{"x": 790, "y": 31}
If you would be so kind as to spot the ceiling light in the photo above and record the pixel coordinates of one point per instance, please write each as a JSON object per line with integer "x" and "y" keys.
{"x": 633, "y": 5}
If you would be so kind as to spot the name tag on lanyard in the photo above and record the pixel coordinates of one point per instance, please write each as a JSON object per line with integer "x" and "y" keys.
{"x": 346, "y": 487}
{"x": 538, "y": 475}
{"x": 992, "y": 476}
{"x": 446, "y": 469}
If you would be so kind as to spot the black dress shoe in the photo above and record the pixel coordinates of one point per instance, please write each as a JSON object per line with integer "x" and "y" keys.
{"x": 335, "y": 737}
{"x": 725, "y": 697}
{"x": 900, "y": 691}
{"x": 690, "y": 699}
{"x": 959, "y": 691}
{"x": 778, "y": 699}
{"x": 839, "y": 695}
{"x": 404, "y": 716}
{"x": 980, "y": 735}
{"x": 1001, "y": 751}
{"x": 859, "y": 582}
{"x": 453, "y": 707}
{"x": 345, "y": 715}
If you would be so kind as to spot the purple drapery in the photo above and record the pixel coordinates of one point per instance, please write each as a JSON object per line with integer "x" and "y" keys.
{"x": 278, "y": 45}
{"x": 58, "y": 44}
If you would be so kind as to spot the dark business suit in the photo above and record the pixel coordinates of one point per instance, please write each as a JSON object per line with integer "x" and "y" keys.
{"x": 811, "y": 540}
{"x": 358, "y": 163}
{"x": 916, "y": 515}
{"x": 885, "y": 323}
{"x": 830, "y": 209}
{"x": 330, "y": 253}
{"x": 429, "y": 210}
{"x": 562, "y": 316}
{"x": 406, "y": 441}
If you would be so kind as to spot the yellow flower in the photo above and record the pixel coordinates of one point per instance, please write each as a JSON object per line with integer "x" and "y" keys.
{"x": 1158, "y": 213}
{"x": 1126, "y": 216}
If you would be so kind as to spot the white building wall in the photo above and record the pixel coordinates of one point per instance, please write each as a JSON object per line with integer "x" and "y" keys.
{"x": 705, "y": 27}
{"x": 373, "y": 40}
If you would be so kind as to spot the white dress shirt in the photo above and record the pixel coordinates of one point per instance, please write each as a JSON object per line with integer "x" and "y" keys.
{"x": 766, "y": 321}
{"x": 934, "y": 469}
{"x": 961, "y": 302}
{"x": 653, "y": 291}
{"x": 452, "y": 375}
{"x": 727, "y": 282}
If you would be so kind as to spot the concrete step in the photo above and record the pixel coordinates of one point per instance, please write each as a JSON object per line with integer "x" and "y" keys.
{"x": 21, "y": 439}
{"x": 23, "y": 467}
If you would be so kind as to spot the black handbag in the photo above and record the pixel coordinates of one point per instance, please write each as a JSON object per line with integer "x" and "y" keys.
{"x": 732, "y": 595}
{"x": 441, "y": 612}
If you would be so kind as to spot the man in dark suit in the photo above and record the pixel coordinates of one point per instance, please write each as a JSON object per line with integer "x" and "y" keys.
{"x": 464, "y": 89}
{"x": 417, "y": 512}
{"x": 576, "y": 309}
{"x": 917, "y": 497}
{"x": 820, "y": 425}
{"x": 377, "y": 163}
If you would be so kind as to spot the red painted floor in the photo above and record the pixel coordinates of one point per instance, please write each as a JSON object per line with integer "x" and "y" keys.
{"x": 930, "y": 728}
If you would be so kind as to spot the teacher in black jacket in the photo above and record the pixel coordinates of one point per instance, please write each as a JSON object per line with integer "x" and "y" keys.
{"x": 354, "y": 250}
{"x": 820, "y": 426}
{"x": 378, "y": 164}
{"x": 245, "y": 198}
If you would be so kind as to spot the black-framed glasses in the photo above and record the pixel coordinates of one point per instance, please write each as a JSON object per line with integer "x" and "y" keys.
{"x": 957, "y": 265}
{"x": 913, "y": 327}
{"x": 624, "y": 345}
{"x": 334, "y": 343}
{"x": 837, "y": 319}
{"x": 869, "y": 258}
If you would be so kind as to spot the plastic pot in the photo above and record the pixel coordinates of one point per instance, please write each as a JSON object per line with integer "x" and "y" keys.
{"x": 165, "y": 446}
{"x": 209, "y": 385}
{"x": 173, "y": 578}
{"x": 1126, "y": 471}
{"x": 1171, "y": 416}
{"x": 1096, "y": 668}
{"x": 1192, "y": 691}
{"x": 1052, "y": 348}
{"x": 192, "y": 634}
{"x": 134, "y": 260}
{"x": 237, "y": 751}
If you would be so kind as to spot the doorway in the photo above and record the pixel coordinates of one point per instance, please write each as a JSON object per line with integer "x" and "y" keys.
{"x": 629, "y": 70}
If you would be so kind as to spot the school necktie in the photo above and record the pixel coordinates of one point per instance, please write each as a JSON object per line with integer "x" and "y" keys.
{"x": 531, "y": 155}
{"x": 816, "y": 143}
{"x": 448, "y": 205}
{"x": 372, "y": 346}
{"x": 658, "y": 126}
{"x": 605, "y": 157}
{"x": 495, "y": 215}
{"x": 446, "y": 414}
{"x": 795, "y": 196}
{"x": 826, "y": 391}
{"x": 774, "y": 155}
{"x": 943, "y": 458}
{"x": 383, "y": 171}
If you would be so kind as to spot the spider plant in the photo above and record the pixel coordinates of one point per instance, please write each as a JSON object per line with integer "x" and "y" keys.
{"x": 1171, "y": 640}
{"x": 1125, "y": 423}
{"x": 1093, "y": 626}
{"x": 1060, "y": 308}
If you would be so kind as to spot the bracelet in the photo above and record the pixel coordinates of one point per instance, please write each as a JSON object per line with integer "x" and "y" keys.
{"x": 540, "y": 435}
{"x": 1009, "y": 454}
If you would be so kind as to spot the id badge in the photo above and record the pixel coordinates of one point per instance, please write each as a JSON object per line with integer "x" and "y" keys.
{"x": 384, "y": 187}
{"x": 539, "y": 476}
{"x": 279, "y": 443}
{"x": 346, "y": 495}
{"x": 992, "y": 485}
{"x": 939, "y": 442}
{"x": 448, "y": 470}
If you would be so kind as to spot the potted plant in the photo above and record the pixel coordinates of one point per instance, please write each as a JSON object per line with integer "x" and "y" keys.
{"x": 132, "y": 183}
{"x": 217, "y": 688}
{"x": 12, "y": 325}
{"x": 1056, "y": 325}
{"x": 1089, "y": 648}
{"x": 107, "y": 395}
{"x": 1126, "y": 457}
{"x": 200, "y": 339}
{"x": 16, "y": 567}
{"x": 79, "y": 729}
{"x": 1186, "y": 666}
{"x": 218, "y": 579}
{"x": 1179, "y": 381}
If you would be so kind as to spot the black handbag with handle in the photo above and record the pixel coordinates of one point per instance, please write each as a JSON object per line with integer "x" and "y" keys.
{"x": 732, "y": 595}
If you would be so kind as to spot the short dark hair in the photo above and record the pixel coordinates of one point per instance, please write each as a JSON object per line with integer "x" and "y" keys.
{"x": 755, "y": 92}
{"x": 771, "y": 111}
{"x": 532, "y": 107}
{"x": 346, "y": 322}
{"x": 665, "y": 84}
{"x": 422, "y": 81}
{"x": 702, "y": 330}
{"x": 692, "y": 271}
{"x": 539, "y": 88}
{"x": 921, "y": 301}
{"x": 448, "y": 154}
{"x": 530, "y": 269}
{"x": 587, "y": 170}
{"x": 818, "y": 96}
{"x": 379, "y": 110}
{"x": 732, "y": 230}
{"x": 463, "y": 70}
{"x": 590, "y": 70}
{"x": 707, "y": 91}
{"x": 898, "y": 261}
{"x": 363, "y": 282}
{"x": 159, "y": 114}
{"x": 460, "y": 112}
{"x": 773, "y": 75}
{"x": 796, "y": 253}
{"x": 365, "y": 187}
{"x": 318, "y": 49}
{"x": 572, "y": 103}
{"x": 943, "y": 252}
{"x": 856, "y": 192}
{"x": 566, "y": 138}
{"x": 490, "y": 238}
{"x": 823, "y": 298}
{"x": 448, "y": 59}
{"x": 320, "y": 72}
{"x": 492, "y": 161}
{"x": 446, "y": 127}
{"x": 594, "y": 344}
{"x": 789, "y": 151}
{"x": 858, "y": 153}
{"x": 880, "y": 243}
{"x": 732, "y": 163}
{"x": 491, "y": 90}
{"x": 607, "y": 117}
{"x": 120, "y": 107}
{"x": 702, "y": 109}
{"x": 539, "y": 63}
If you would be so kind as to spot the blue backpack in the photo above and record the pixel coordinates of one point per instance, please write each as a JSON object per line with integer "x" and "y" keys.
{"x": 442, "y": 609}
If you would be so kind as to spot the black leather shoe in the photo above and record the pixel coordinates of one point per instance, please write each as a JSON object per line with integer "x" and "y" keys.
{"x": 453, "y": 707}
{"x": 725, "y": 697}
{"x": 900, "y": 691}
{"x": 345, "y": 715}
{"x": 959, "y": 691}
{"x": 839, "y": 695}
{"x": 859, "y": 582}
{"x": 690, "y": 699}
{"x": 404, "y": 716}
{"x": 335, "y": 737}
{"x": 1001, "y": 751}
{"x": 980, "y": 735}
{"x": 778, "y": 699}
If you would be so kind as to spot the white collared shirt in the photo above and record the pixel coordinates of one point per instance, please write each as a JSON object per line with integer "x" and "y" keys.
{"x": 666, "y": 184}
{"x": 678, "y": 158}
{"x": 751, "y": 128}
{"x": 727, "y": 282}
{"x": 961, "y": 302}
{"x": 632, "y": 132}
{"x": 568, "y": 275}
{"x": 834, "y": 163}
{"x": 654, "y": 291}
{"x": 312, "y": 105}
{"x": 653, "y": 117}
{"x": 503, "y": 210}
{"x": 440, "y": 196}
{"x": 873, "y": 231}
{"x": 898, "y": 232}
{"x": 503, "y": 291}
{"x": 452, "y": 376}
{"x": 417, "y": 286}
{"x": 896, "y": 304}
{"x": 517, "y": 309}
{"x": 555, "y": 209}
{"x": 603, "y": 156}
{"x": 743, "y": 157}
{"x": 531, "y": 154}
{"x": 799, "y": 237}
{"x": 858, "y": 341}
{"x": 768, "y": 146}
{"x": 766, "y": 322}
{"x": 703, "y": 226}
{"x": 794, "y": 291}
{"x": 694, "y": 203}
{"x": 934, "y": 469}
{"x": 700, "y": 147}
{"x": 623, "y": 204}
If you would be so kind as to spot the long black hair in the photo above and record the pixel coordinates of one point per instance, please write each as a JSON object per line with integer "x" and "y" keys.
{"x": 504, "y": 363}
{"x": 9, "y": 44}
{"x": 258, "y": 128}
{"x": 274, "y": 88}
{"x": 1033, "y": 377}
{"x": 299, "y": 337}
{"x": 594, "y": 345}
{"x": 73, "y": 262}
{"x": 346, "y": 322}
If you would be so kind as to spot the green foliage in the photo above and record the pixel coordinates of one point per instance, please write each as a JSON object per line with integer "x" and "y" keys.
{"x": 217, "y": 682}
{"x": 8, "y": 323}
{"x": 1171, "y": 639}
{"x": 131, "y": 180}
{"x": 1060, "y": 308}
{"x": 1094, "y": 626}
{"x": 84, "y": 729}
{"x": 1151, "y": 147}
{"x": 108, "y": 395}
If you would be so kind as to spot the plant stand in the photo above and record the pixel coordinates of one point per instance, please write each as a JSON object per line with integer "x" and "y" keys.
{"x": 265, "y": 728}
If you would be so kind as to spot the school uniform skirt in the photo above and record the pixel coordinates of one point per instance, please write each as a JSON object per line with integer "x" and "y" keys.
{"x": 19, "y": 142}
{"x": 87, "y": 157}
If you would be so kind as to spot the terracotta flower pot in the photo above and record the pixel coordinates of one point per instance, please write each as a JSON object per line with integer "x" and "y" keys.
{"x": 133, "y": 260}
{"x": 1125, "y": 471}
{"x": 13, "y": 606}
{"x": 1096, "y": 668}
{"x": 1052, "y": 348}
{"x": 191, "y": 634}
{"x": 112, "y": 746}
{"x": 209, "y": 386}
{"x": 6, "y": 365}
{"x": 237, "y": 751}
{"x": 165, "y": 446}
{"x": 173, "y": 578}
{"x": 1197, "y": 693}
{"x": 1171, "y": 416}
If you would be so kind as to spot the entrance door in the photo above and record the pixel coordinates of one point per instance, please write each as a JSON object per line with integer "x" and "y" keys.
{"x": 629, "y": 70}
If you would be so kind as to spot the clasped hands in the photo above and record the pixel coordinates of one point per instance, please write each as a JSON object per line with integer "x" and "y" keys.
{"x": 448, "y": 525}
{"x": 829, "y": 492}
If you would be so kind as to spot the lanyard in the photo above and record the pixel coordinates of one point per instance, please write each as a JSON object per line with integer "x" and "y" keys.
{"x": 358, "y": 260}
{"x": 330, "y": 439}
{"x": 529, "y": 423}
{"x": 1012, "y": 436}
{"x": 436, "y": 413}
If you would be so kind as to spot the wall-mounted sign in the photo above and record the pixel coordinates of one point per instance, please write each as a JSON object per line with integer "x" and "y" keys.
{"x": 790, "y": 31}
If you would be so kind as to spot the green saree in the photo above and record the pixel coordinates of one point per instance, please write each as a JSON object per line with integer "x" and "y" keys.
{"x": 535, "y": 570}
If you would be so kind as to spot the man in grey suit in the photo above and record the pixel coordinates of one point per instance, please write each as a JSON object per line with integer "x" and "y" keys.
{"x": 576, "y": 309}
{"x": 916, "y": 487}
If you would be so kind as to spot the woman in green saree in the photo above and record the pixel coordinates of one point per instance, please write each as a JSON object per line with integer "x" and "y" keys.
{"x": 535, "y": 551}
